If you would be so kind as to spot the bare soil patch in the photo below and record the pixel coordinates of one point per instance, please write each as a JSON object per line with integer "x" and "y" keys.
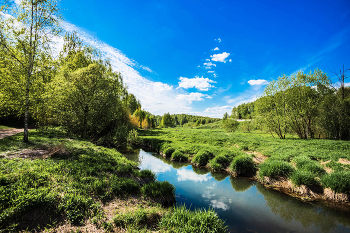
{"x": 344, "y": 161}
{"x": 9, "y": 132}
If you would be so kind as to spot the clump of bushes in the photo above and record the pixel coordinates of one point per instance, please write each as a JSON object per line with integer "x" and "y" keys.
{"x": 220, "y": 162}
{"x": 168, "y": 151}
{"x": 184, "y": 220}
{"x": 302, "y": 177}
{"x": 230, "y": 125}
{"x": 275, "y": 168}
{"x": 243, "y": 165}
{"x": 202, "y": 157}
{"x": 179, "y": 156}
{"x": 338, "y": 181}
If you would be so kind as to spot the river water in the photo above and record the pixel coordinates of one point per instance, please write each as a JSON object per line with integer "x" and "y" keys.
{"x": 245, "y": 204}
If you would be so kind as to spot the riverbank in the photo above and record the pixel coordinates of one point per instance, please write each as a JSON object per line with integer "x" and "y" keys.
{"x": 62, "y": 183}
{"x": 311, "y": 170}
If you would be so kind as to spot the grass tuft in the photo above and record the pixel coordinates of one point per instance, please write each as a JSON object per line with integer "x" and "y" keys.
{"x": 275, "y": 168}
{"x": 243, "y": 165}
{"x": 179, "y": 156}
{"x": 338, "y": 181}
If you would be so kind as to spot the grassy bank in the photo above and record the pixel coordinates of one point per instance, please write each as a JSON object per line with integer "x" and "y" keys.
{"x": 318, "y": 164}
{"x": 57, "y": 183}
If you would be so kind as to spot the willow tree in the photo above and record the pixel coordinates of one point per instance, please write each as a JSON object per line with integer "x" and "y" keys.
{"x": 27, "y": 30}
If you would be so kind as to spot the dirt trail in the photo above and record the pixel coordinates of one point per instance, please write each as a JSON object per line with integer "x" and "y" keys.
{"x": 9, "y": 132}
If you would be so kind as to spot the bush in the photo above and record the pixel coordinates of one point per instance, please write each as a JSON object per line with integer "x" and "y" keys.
{"x": 243, "y": 164}
{"x": 202, "y": 157}
{"x": 179, "y": 156}
{"x": 158, "y": 189}
{"x": 168, "y": 151}
{"x": 302, "y": 177}
{"x": 230, "y": 125}
{"x": 183, "y": 220}
{"x": 276, "y": 168}
{"x": 133, "y": 138}
{"x": 219, "y": 162}
{"x": 339, "y": 181}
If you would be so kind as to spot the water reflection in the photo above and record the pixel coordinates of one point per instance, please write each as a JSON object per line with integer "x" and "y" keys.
{"x": 245, "y": 204}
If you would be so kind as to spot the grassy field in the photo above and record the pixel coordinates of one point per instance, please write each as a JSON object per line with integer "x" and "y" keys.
{"x": 60, "y": 183}
{"x": 314, "y": 162}
{"x": 3, "y": 127}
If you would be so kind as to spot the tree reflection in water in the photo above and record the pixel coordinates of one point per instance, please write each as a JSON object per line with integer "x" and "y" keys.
{"x": 240, "y": 184}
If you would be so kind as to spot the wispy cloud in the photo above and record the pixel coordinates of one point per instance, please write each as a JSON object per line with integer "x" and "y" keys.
{"x": 209, "y": 65}
{"x": 186, "y": 174}
{"x": 219, "y": 40}
{"x": 202, "y": 84}
{"x": 258, "y": 82}
{"x": 220, "y": 57}
{"x": 216, "y": 49}
{"x": 193, "y": 96}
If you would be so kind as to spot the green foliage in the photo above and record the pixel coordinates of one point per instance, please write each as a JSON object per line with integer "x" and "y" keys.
{"x": 243, "y": 111}
{"x": 179, "y": 156}
{"x": 139, "y": 218}
{"x": 306, "y": 164}
{"x": 158, "y": 189}
{"x": 183, "y": 220}
{"x": 202, "y": 157}
{"x": 220, "y": 162}
{"x": 338, "y": 181}
{"x": 168, "y": 151}
{"x": 133, "y": 138}
{"x": 275, "y": 168}
{"x": 304, "y": 177}
{"x": 167, "y": 121}
{"x": 230, "y": 125}
{"x": 243, "y": 164}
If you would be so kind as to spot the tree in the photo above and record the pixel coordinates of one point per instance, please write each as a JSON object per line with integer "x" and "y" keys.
{"x": 167, "y": 120}
{"x": 25, "y": 35}
{"x": 225, "y": 116}
{"x": 132, "y": 103}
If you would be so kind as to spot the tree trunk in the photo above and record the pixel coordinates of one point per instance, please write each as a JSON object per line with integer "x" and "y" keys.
{"x": 26, "y": 113}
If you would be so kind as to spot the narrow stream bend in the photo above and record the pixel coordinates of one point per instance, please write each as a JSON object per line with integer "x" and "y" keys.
{"x": 246, "y": 205}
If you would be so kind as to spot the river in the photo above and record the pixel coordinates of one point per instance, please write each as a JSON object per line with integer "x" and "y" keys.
{"x": 244, "y": 204}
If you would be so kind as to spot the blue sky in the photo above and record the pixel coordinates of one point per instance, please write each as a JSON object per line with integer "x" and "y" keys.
{"x": 205, "y": 57}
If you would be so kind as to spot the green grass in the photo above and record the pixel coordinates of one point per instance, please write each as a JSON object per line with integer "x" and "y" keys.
{"x": 337, "y": 181}
{"x": 179, "y": 156}
{"x": 276, "y": 168}
{"x": 183, "y": 220}
{"x": 3, "y": 127}
{"x": 243, "y": 165}
{"x": 304, "y": 177}
{"x": 202, "y": 157}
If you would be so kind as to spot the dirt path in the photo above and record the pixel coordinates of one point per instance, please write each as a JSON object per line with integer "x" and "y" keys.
{"x": 9, "y": 132}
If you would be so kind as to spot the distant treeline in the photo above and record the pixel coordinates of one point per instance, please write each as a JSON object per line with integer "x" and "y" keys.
{"x": 305, "y": 104}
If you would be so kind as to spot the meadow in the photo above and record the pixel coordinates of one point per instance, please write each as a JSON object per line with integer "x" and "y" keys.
{"x": 320, "y": 163}
{"x": 59, "y": 182}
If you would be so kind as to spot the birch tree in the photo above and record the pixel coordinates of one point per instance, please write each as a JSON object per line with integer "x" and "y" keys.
{"x": 27, "y": 30}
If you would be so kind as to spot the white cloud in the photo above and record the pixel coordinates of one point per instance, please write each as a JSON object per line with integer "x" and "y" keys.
{"x": 209, "y": 65}
{"x": 221, "y": 109}
{"x": 186, "y": 174}
{"x": 230, "y": 60}
{"x": 163, "y": 98}
{"x": 220, "y": 57}
{"x": 193, "y": 96}
{"x": 207, "y": 59}
{"x": 202, "y": 84}
{"x": 211, "y": 71}
{"x": 218, "y": 40}
{"x": 218, "y": 205}
{"x": 216, "y": 49}
{"x": 258, "y": 82}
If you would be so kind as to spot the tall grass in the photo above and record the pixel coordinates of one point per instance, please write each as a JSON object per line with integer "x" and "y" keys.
{"x": 275, "y": 168}
{"x": 182, "y": 220}
{"x": 337, "y": 181}
{"x": 243, "y": 165}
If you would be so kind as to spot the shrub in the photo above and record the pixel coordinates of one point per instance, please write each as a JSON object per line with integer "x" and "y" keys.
{"x": 133, "y": 138}
{"x": 243, "y": 164}
{"x": 147, "y": 174}
{"x": 275, "y": 168}
{"x": 216, "y": 166}
{"x": 302, "y": 177}
{"x": 230, "y": 125}
{"x": 338, "y": 181}
{"x": 168, "y": 151}
{"x": 179, "y": 156}
{"x": 219, "y": 162}
{"x": 184, "y": 220}
{"x": 158, "y": 189}
{"x": 202, "y": 157}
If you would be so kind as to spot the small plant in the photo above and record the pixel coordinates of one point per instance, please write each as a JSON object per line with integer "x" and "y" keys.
{"x": 275, "y": 168}
{"x": 302, "y": 177}
{"x": 243, "y": 165}
{"x": 168, "y": 151}
{"x": 202, "y": 157}
{"x": 181, "y": 219}
{"x": 179, "y": 156}
{"x": 338, "y": 181}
